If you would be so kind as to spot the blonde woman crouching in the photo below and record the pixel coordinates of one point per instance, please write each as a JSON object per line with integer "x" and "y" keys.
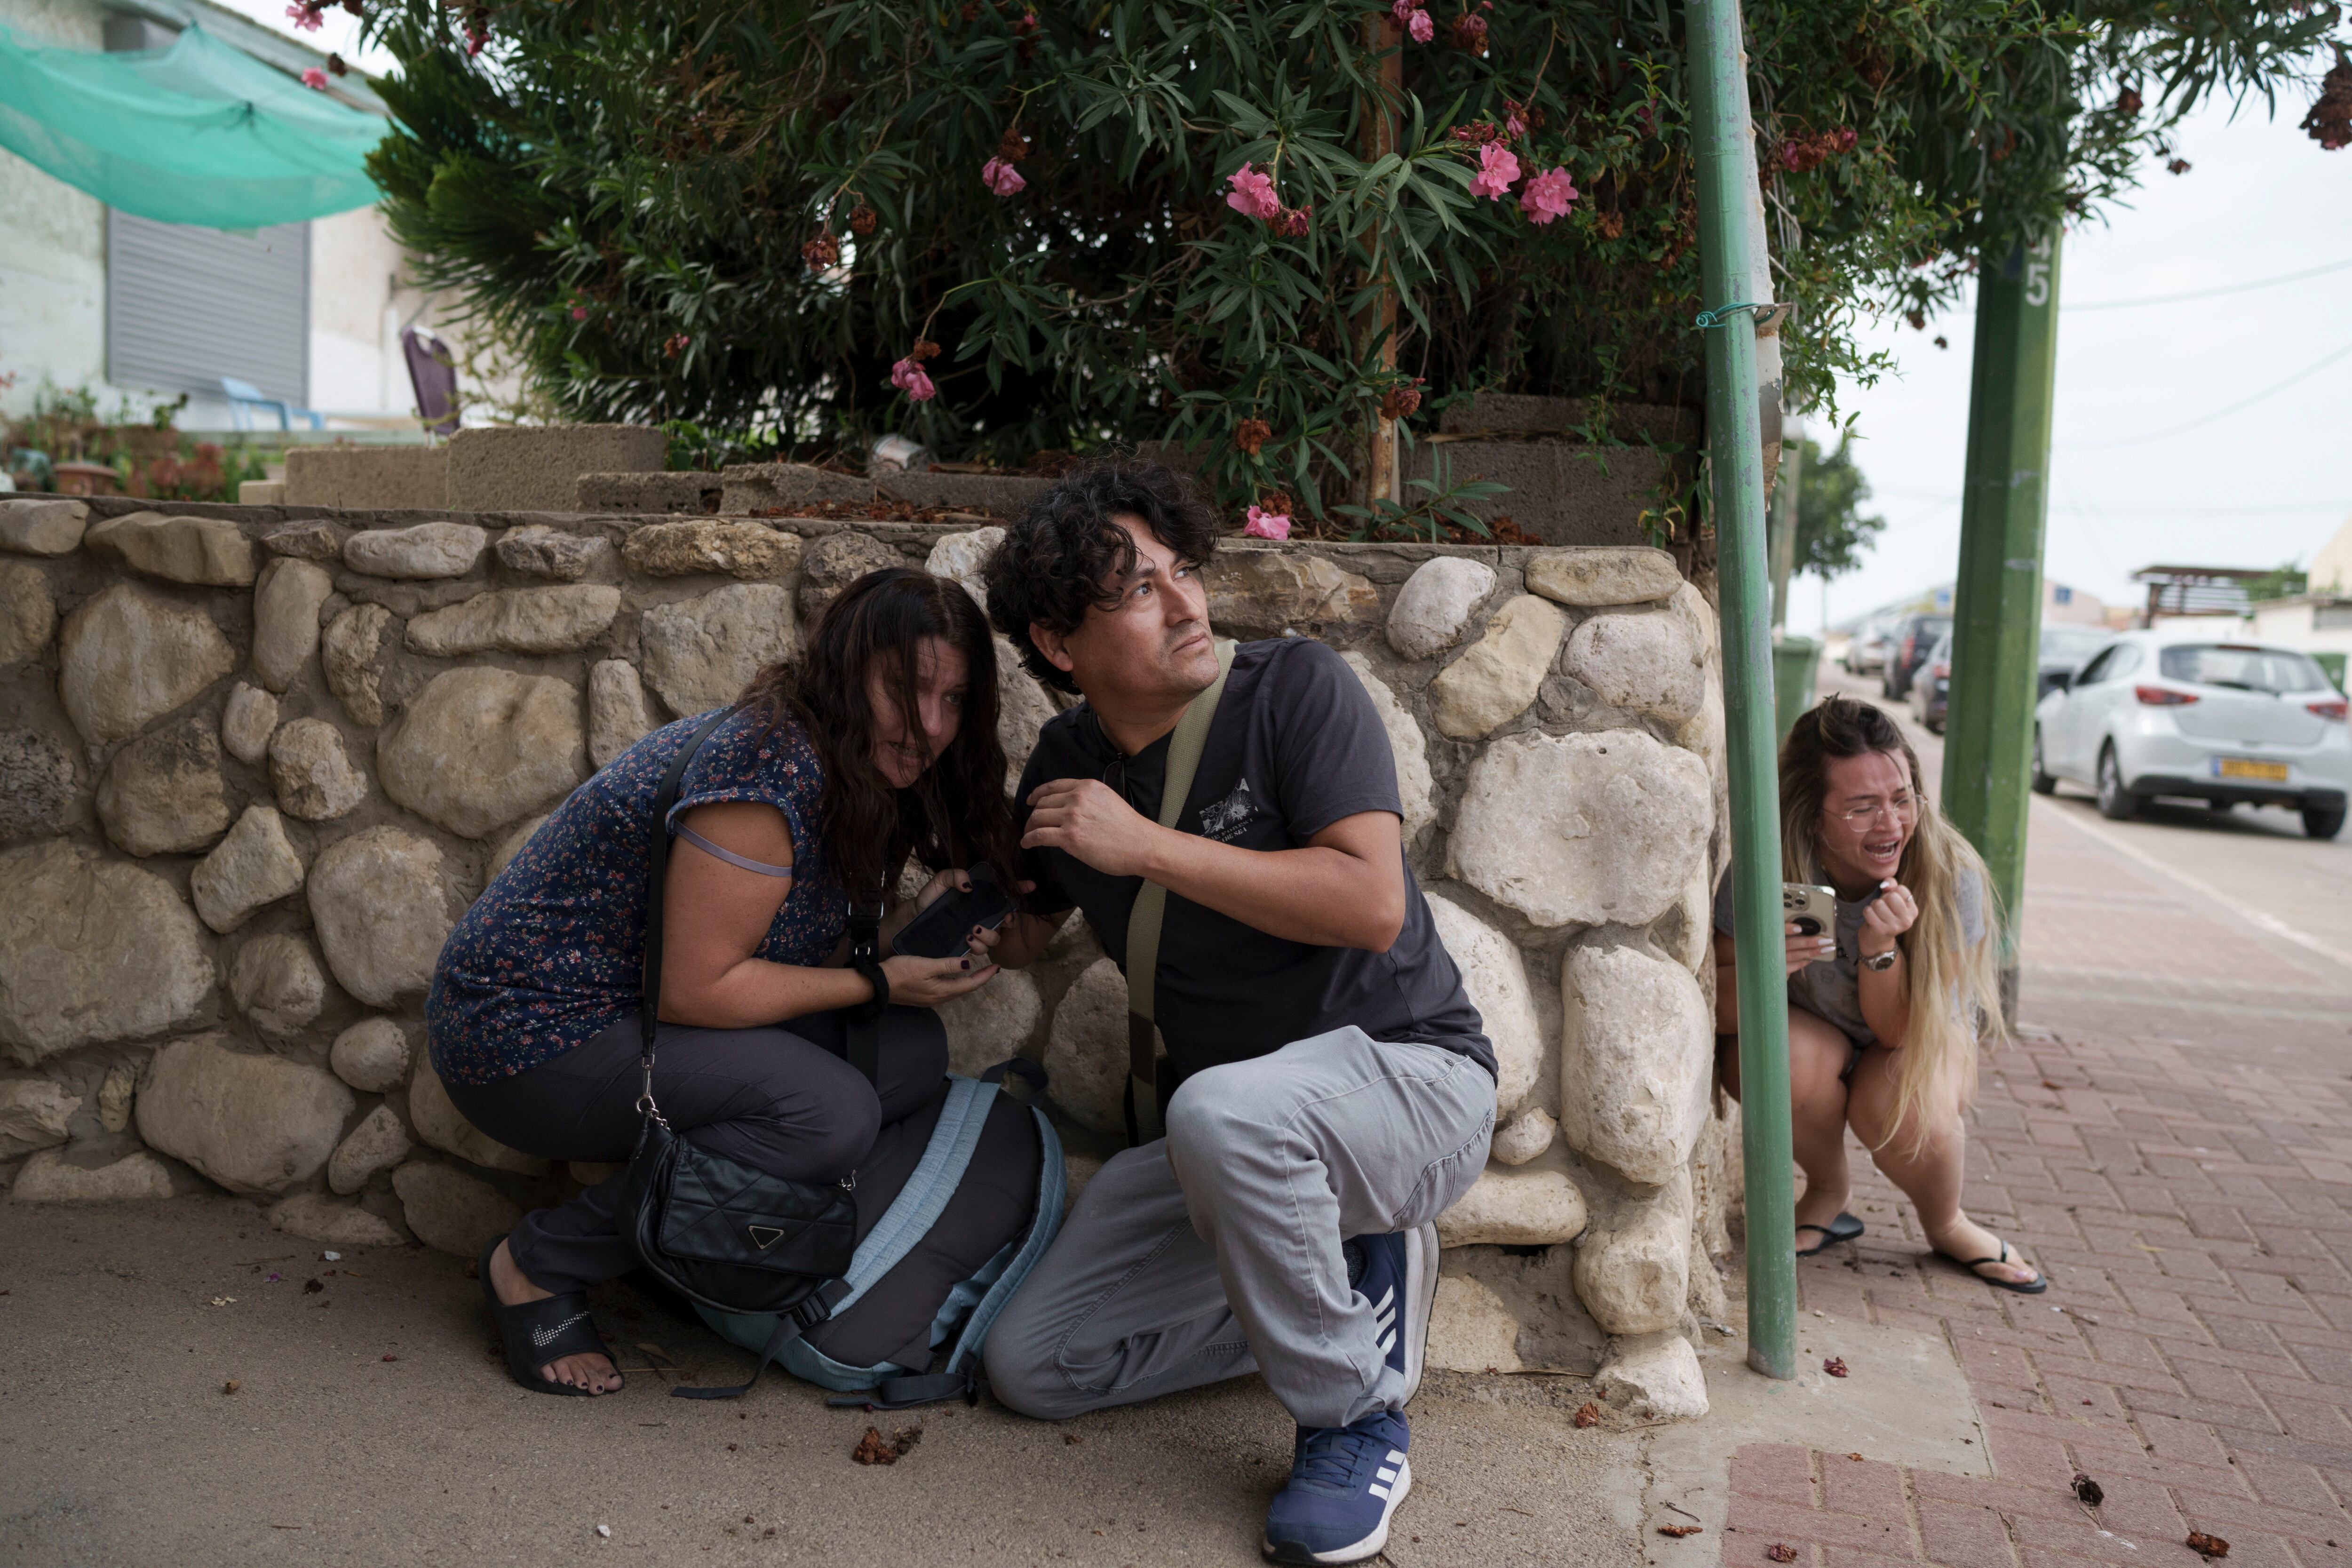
{"x": 1884, "y": 1014}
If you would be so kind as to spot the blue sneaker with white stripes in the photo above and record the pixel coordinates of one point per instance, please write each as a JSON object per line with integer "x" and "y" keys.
{"x": 1345, "y": 1484}
{"x": 1397, "y": 1273}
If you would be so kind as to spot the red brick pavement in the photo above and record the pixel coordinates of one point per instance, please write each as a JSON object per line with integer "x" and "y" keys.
{"x": 2170, "y": 1138}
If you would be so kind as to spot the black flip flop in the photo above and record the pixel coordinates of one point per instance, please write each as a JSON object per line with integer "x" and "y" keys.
{"x": 2039, "y": 1283}
{"x": 1845, "y": 1227}
{"x": 538, "y": 1332}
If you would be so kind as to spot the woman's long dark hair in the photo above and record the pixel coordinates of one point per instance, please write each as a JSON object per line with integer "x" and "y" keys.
{"x": 955, "y": 813}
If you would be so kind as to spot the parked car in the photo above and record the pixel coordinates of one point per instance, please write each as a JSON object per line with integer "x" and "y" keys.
{"x": 1931, "y": 685}
{"x": 1907, "y": 650}
{"x": 2177, "y": 712}
{"x": 2065, "y": 650}
{"x": 1865, "y": 651}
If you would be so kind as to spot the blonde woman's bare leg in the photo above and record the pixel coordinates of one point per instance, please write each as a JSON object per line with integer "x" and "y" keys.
{"x": 1818, "y": 1053}
{"x": 1928, "y": 1171}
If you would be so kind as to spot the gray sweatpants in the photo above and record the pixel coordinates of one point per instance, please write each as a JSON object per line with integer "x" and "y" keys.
{"x": 1216, "y": 1250}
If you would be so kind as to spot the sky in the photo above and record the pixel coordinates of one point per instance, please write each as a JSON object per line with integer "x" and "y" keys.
{"x": 338, "y": 32}
{"x": 2261, "y": 487}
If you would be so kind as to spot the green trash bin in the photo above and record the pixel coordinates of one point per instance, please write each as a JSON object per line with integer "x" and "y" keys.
{"x": 1794, "y": 661}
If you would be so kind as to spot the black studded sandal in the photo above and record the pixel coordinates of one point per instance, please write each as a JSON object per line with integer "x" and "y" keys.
{"x": 538, "y": 1332}
{"x": 2033, "y": 1287}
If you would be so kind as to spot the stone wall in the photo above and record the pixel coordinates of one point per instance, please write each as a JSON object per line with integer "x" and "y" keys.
{"x": 254, "y": 761}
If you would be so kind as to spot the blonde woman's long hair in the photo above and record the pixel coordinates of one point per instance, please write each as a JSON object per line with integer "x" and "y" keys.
{"x": 1954, "y": 985}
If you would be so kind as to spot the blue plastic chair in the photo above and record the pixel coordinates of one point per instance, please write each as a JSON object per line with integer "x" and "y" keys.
{"x": 244, "y": 397}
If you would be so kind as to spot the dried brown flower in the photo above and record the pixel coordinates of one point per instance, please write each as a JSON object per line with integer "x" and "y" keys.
{"x": 1252, "y": 434}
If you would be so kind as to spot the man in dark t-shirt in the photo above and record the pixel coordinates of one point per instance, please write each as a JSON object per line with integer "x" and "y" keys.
{"x": 1332, "y": 1089}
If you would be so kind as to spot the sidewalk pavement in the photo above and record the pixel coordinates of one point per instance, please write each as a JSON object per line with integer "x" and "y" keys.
{"x": 2171, "y": 1137}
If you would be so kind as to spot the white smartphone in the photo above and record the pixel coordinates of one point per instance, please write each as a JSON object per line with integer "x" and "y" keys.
{"x": 1813, "y": 909}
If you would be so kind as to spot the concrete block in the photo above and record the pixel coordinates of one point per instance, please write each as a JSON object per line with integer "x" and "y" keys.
{"x": 367, "y": 478}
{"x": 647, "y": 494}
{"x": 1000, "y": 495}
{"x": 1525, "y": 415}
{"x": 755, "y": 487}
{"x": 1561, "y": 492}
{"x": 538, "y": 468}
{"x": 261, "y": 492}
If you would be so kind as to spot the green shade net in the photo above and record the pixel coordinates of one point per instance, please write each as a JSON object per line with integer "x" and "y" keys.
{"x": 194, "y": 133}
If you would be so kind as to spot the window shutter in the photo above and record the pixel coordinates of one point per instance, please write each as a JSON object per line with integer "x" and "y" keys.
{"x": 187, "y": 305}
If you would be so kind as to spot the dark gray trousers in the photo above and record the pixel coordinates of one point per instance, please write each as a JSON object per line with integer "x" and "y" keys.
{"x": 782, "y": 1100}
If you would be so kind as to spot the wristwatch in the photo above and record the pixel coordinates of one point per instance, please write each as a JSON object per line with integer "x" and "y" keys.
{"x": 1884, "y": 961}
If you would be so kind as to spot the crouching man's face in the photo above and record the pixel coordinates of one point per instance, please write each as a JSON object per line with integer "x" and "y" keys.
{"x": 1148, "y": 638}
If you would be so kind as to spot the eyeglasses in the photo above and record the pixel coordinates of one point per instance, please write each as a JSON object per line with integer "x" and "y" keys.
{"x": 1905, "y": 807}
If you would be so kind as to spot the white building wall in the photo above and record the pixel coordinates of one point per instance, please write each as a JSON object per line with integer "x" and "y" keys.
{"x": 53, "y": 284}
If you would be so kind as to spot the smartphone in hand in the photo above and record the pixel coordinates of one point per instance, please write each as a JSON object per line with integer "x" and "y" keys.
{"x": 1813, "y": 909}
{"x": 943, "y": 929}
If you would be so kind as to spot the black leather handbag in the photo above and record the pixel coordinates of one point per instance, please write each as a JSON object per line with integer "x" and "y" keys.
{"x": 713, "y": 1229}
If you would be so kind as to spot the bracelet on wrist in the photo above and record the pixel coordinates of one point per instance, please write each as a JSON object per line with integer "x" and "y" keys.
{"x": 1882, "y": 960}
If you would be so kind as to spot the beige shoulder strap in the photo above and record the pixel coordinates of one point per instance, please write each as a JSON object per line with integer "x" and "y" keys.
{"x": 1184, "y": 749}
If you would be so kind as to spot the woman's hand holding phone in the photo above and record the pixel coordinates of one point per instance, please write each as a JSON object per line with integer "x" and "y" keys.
{"x": 927, "y": 982}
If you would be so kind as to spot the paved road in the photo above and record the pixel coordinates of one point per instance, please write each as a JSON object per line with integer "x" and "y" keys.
{"x": 2170, "y": 1136}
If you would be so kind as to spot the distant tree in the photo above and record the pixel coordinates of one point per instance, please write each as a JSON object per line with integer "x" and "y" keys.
{"x": 1831, "y": 532}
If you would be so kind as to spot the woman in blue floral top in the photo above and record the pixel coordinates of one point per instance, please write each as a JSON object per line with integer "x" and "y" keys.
{"x": 878, "y": 742}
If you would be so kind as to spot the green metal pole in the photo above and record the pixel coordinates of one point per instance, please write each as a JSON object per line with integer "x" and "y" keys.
{"x": 1726, "y": 142}
{"x": 1781, "y": 523}
{"x": 1997, "y": 609}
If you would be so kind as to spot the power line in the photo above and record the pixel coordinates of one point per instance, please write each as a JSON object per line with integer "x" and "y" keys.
{"x": 2208, "y": 293}
{"x": 2239, "y": 406}
{"x": 2274, "y": 510}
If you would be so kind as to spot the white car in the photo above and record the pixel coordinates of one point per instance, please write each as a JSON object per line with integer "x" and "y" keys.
{"x": 1865, "y": 651}
{"x": 2179, "y": 712}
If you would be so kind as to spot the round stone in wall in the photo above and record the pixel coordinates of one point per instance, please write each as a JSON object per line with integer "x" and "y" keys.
{"x": 439, "y": 1123}
{"x": 275, "y": 982}
{"x": 1530, "y": 1134}
{"x": 248, "y": 721}
{"x": 1416, "y": 789}
{"x": 36, "y": 785}
{"x": 286, "y": 620}
{"x": 33, "y": 1114}
{"x": 1534, "y": 1207}
{"x": 92, "y": 950}
{"x": 351, "y": 655}
{"x": 1495, "y": 681}
{"x": 1637, "y": 1055}
{"x": 1086, "y": 1053}
{"x": 378, "y": 1143}
{"x": 1435, "y": 604}
{"x": 252, "y": 1121}
{"x": 832, "y": 563}
{"x": 737, "y": 546}
{"x": 208, "y": 551}
{"x": 986, "y": 1025}
{"x": 963, "y": 556}
{"x": 617, "y": 719}
{"x": 1582, "y": 829}
{"x": 372, "y": 1056}
{"x": 1610, "y": 574}
{"x": 427, "y": 549}
{"x": 451, "y": 1210}
{"x": 381, "y": 909}
{"x": 1021, "y": 710}
{"x": 27, "y": 613}
{"x": 48, "y": 1178}
{"x": 255, "y": 866}
{"x": 1265, "y": 593}
{"x": 162, "y": 793}
{"x": 315, "y": 1216}
{"x": 519, "y": 620}
{"x": 1495, "y": 977}
{"x": 700, "y": 653}
{"x": 1633, "y": 1275}
{"x": 1647, "y": 662}
{"x": 128, "y": 659}
{"x": 311, "y": 771}
{"x": 480, "y": 748}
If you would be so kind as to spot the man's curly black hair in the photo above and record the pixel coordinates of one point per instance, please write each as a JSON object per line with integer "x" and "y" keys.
{"x": 1053, "y": 564}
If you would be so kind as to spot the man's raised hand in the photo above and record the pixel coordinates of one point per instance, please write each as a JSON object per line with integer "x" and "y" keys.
{"x": 1090, "y": 820}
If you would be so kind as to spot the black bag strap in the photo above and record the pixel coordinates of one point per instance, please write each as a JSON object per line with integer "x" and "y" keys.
{"x": 864, "y": 1032}
{"x": 790, "y": 1324}
{"x": 657, "y": 881}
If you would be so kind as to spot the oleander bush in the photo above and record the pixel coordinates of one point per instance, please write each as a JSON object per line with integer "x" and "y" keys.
{"x": 1012, "y": 226}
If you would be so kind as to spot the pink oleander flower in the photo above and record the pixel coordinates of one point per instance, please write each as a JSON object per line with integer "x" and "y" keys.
{"x": 579, "y": 312}
{"x": 1420, "y": 29}
{"x": 1402, "y": 10}
{"x": 1267, "y": 525}
{"x": 1547, "y": 195}
{"x": 305, "y": 18}
{"x": 1253, "y": 194}
{"x": 1497, "y": 168}
{"x": 315, "y": 78}
{"x": 1002, "y": 177}
{"x": 908, "y": 376}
